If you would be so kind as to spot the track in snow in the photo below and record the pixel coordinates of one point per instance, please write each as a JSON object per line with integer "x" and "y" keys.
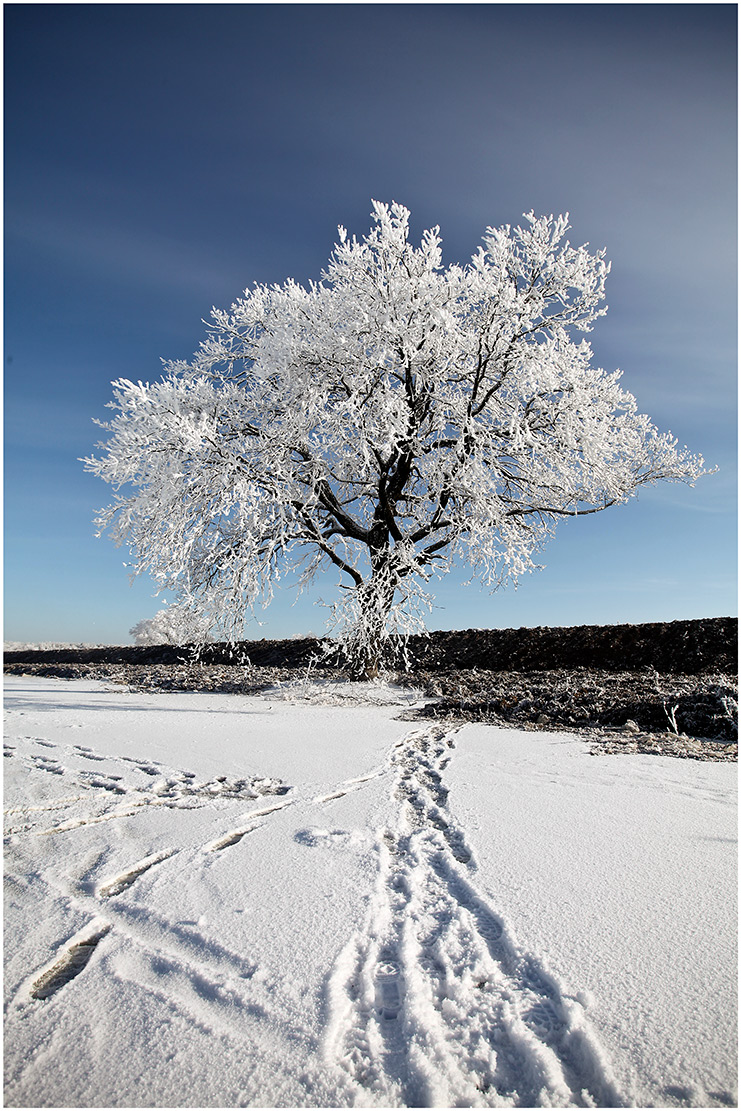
{"x": 70, "y": 962}
{"x": 120, "y": 882}
{"x": 433, "y": 1003}
{"x": 110, "y": 796}
{"x": 234, "y": 836}
{"x": 132, "y": 786}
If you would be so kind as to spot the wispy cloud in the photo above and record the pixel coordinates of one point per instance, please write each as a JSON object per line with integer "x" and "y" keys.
{"x": 118, "y": 253}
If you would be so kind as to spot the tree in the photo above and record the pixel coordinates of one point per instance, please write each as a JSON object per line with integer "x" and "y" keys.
{"x": 391, "y": 418}
{"x": 172, "y": 625}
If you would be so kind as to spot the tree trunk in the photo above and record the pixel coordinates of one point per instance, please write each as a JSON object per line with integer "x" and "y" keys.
{"x": 375, "y": 597}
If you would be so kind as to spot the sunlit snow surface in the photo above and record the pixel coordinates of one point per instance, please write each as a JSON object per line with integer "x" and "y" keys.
{"x": 301, "y": 900}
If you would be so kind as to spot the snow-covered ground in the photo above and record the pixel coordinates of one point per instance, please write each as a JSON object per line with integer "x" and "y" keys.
{"x": 221, "y": 900}
{"x": 44, "y": 646}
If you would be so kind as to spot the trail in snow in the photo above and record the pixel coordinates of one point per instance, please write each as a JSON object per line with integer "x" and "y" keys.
{"x": 433, "y": 1003}
{"x": 184, "y": 947}
{"x": 141, "y": 784}
{"x": 215, "y": 989}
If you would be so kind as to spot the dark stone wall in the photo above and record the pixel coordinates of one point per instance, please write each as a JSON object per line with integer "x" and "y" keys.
{"x": 686, "y": 647}
{"x": 683, "y": 647}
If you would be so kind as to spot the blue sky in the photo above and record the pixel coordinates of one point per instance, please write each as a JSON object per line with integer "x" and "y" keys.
{"x": 161, "y": 158}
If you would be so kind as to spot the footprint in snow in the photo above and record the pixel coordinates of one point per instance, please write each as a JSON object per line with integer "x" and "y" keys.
{"x": 47, "y": 765}
{"x": 313, "y": 837}
{"x": 348, "y": 786}
{"x": 329, "y": 798}
{"x": 388, "y": 988}
{"x": 124, "y": 879}
{"x": 73, "y": 959}
{"x": 105, "y": 783}
{"x": 229, "y": 839}
{"x": 542, "y": 1018}
{"x": 233, "y": 837}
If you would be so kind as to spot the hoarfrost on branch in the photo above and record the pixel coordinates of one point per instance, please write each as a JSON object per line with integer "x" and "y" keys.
{"x": 385, "y": 421}
{"x": 171, "y": 625}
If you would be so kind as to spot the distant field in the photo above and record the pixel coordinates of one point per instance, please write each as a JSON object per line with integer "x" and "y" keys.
{"x": 668, "y": 688}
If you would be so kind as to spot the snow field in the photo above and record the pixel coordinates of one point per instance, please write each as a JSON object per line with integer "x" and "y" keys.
{"x": 237, "y": 901}
{"x": 626, "y": 870}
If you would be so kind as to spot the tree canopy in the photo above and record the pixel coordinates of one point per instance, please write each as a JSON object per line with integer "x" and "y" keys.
{"x": 384, "y": 421}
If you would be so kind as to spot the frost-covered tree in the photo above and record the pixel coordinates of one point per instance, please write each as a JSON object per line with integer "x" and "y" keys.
{"x": 385, "y": 421}
{"x": 172, "y": 625}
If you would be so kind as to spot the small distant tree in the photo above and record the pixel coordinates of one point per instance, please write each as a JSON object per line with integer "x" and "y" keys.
{"x": 391, "y": 418}
{"x": 172, "y": 625}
